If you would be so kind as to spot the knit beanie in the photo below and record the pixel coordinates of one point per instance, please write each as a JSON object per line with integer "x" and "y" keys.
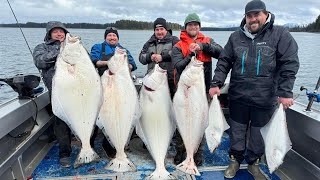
{"x": 160, "y": 22}
{"x": 193, "y": 17}
{"x": 111, "y": 30}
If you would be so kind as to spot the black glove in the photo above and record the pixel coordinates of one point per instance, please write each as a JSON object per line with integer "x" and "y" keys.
{"x": 148, "y": 57}
{"x": 165, "y": 55}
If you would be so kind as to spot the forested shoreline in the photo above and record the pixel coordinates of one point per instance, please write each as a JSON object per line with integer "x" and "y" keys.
{"x": 142, "y": 25}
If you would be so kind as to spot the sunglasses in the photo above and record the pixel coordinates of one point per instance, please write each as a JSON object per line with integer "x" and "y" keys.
{"x": 111, "y": 28}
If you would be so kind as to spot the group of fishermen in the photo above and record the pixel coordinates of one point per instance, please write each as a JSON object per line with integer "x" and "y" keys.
{"x": 264, "y": 62}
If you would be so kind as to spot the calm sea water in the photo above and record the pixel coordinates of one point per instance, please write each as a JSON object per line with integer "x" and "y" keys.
{"x": 15, "y": 57}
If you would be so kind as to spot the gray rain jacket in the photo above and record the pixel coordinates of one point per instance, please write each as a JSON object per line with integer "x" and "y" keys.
{"x": 45, "y": 54}
{"x": 264, "y": 67}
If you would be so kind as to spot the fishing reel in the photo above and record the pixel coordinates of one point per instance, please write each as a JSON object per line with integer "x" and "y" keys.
{"x": 24, "y": 85}
{"x": 312, "y": 96}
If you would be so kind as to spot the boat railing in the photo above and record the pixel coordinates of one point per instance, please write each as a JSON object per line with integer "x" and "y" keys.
{"x": 22, "y": 121}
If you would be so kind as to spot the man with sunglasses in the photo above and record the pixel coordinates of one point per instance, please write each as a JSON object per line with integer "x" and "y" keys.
{"x": 100, "y": 53}
{"x": 264, "y": 62}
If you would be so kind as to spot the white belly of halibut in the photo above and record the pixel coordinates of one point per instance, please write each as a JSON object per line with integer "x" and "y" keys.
{"x": 118, "y": 115}
{"x": 217, "y": 124}
{"x": 76, "y": 96}
{"x": 156, "y": 125}
{"x": 276, "y": 139}
{"x": 191, "y": 110}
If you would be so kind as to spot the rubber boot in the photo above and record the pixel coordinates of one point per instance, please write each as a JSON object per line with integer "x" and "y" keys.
{"x": 255, "y": 171}
{"x": 65, "y": 162}
{"x": 111, "y": 152}
{"x": 180, "y": 156}
{"x": 232, "y": 169}
{"x": 198, "y": 158}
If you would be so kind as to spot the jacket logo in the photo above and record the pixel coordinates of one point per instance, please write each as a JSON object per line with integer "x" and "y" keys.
{"x": 261, "y": 43}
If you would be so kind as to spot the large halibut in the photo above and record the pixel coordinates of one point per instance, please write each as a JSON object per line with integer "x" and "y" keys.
{"x": 76, "y": 94}
{"x": 156, "y": 125}
{"x": 191, "y": 109}
{"x": 120, "y": 108}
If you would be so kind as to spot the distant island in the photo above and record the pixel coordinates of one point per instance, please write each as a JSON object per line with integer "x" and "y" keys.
{"x": 142, "y": 25}
{"x": 121, "y": 24}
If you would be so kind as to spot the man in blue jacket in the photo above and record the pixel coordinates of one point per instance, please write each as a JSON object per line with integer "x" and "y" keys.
{"x": 264, "y": 62}
{"x": 100, "y": 54}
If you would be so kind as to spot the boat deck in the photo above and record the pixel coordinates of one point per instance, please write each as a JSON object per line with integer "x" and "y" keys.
{"x": 214, "y": 164}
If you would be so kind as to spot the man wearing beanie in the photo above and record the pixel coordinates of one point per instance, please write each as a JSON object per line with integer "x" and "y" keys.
{"x": 264, "y": 62}
{"x": 158, "y": 50}
{"x": 100, "y": 53}
{"x": 193, "y": 42}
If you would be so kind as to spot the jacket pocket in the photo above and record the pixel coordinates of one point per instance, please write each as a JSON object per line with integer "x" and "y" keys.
{"x": 240, "y": 65}
{"x": 265, "y": 62}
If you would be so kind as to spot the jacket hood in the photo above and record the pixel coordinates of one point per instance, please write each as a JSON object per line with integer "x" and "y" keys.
{"x": 51, "y": 25}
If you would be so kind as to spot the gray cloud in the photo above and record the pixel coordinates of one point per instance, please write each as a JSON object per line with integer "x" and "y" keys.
{"x": 212, "y": 13}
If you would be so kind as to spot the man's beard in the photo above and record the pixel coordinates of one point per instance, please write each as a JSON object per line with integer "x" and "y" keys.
{"x": 193, "y": 34}
{"x": 257, "y": 29}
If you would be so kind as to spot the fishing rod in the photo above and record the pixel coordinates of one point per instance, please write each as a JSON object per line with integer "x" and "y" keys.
{"x": 24, "y": 85}
{"x": 312, "y": 96}
{"x": 19, "y": 27}
{"x": 25, "y": 39}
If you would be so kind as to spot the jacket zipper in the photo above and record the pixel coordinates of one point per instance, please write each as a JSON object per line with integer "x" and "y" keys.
{"x": 258, "y": 64}
{"x": 242, "y": 62}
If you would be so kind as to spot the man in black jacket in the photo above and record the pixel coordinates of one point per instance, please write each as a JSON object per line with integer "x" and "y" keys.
{"x": 264, "y": 62}
{"x": 158, "y": 50}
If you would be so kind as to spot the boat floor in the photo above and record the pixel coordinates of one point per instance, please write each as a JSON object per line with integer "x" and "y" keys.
{"x": 213, "y": 165}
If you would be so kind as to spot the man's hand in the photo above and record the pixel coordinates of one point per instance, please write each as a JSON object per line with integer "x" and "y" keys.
{"x": 194, "y": 47}
{"x": 130, "y": 67}
{"x": 286, "y": 102}
{"x": 156, "y": 58}
{"x": 101, "y": 63}
{"x": 213, "y": 91}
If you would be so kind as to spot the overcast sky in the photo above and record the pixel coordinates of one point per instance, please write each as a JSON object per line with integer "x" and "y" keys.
{"x": 213, "y": 13}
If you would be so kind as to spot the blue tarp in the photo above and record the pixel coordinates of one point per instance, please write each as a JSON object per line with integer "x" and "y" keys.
{"x": 50, "y": 167}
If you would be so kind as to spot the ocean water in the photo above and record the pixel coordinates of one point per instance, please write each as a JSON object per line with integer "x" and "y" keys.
{"x": 15, "y": 57}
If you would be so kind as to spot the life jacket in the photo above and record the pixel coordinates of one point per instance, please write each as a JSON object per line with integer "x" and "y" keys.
{"x": 185, "y": 42}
